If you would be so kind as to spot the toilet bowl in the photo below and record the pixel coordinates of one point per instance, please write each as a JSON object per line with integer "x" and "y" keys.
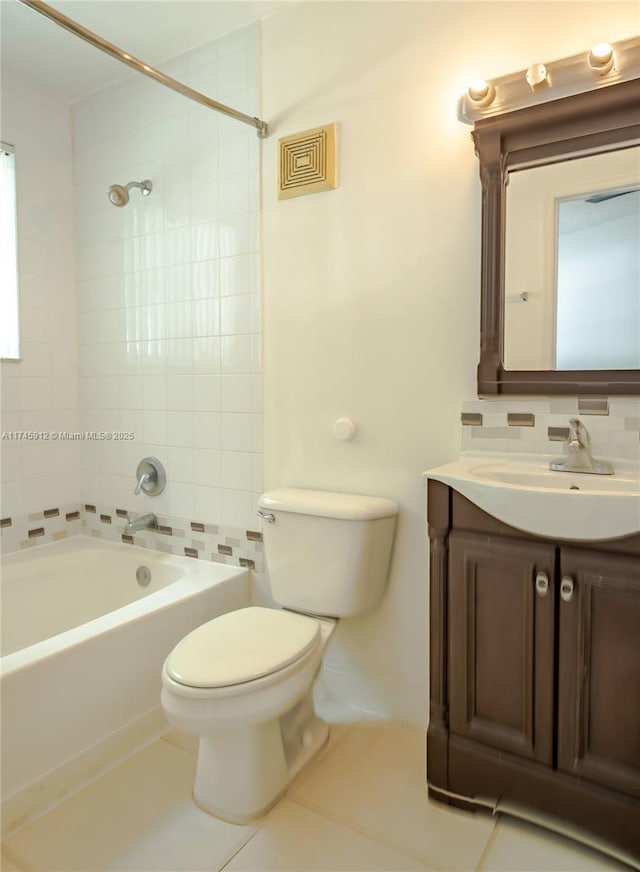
{"x": 243, "y": 683}
{"x": 251, "y": 709}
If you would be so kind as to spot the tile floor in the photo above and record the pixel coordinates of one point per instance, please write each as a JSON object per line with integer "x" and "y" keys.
{"x": 361, "y": 806}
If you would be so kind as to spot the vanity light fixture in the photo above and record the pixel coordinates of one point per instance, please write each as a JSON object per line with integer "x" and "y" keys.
{"x": 601, "y": 58}
{"x": 537, "y": 75}
{"x": 606, "y": 64}
{"x": 481, "y": 93}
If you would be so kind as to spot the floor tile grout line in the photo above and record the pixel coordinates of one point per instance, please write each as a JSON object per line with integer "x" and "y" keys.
{"x": 242, "y": 846}
{"x": 374, "y": 837}
{"x": 9, "y": 855}
{"x": 489, "y": 846}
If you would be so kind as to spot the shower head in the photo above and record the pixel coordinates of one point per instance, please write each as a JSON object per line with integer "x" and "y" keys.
{"x": 119, "y": 194}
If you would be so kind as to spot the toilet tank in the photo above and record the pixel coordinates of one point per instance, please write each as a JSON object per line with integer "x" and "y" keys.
{"x": 327, "y": 553}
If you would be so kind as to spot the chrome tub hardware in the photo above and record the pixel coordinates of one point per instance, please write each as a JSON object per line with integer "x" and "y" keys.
{"x": 119, "y": 194}
{"x": 142, "y": 522}
{"x": 579, "y": 457}
{"x": 269, "y": 517}
{"x": 143, "y": 576}
{"x": 151, "y": 477}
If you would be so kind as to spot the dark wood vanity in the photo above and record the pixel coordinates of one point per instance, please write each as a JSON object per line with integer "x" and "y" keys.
{"x": 535, "y": 670}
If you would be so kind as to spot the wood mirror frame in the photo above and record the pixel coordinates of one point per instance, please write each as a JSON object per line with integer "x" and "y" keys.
{"x": 588, "y": 122}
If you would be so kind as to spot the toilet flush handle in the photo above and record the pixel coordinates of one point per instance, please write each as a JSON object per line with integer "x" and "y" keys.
{"x": 269, "y": 517}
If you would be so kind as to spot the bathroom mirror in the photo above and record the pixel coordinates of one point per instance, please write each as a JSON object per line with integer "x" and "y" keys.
{"x": 560, "y": 295}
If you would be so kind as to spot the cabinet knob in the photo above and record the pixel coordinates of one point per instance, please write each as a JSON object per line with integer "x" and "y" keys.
{"x": 542, "y": 583}
{"x": 566, "y": 588}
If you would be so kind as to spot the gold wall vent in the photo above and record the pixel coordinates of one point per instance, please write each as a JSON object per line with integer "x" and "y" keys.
{"x": 307, "y": 162}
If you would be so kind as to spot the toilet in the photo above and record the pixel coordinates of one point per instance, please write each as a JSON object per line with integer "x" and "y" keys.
{"x": 243, "y": 682}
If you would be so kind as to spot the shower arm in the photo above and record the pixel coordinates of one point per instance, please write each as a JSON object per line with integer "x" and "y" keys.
{"x": 145, "y": 186}
{"x": 120, "y": 55}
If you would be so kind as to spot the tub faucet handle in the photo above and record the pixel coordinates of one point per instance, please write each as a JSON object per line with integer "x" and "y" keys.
{"x": 142, "y": 480}
{"x": 150, "y": 477}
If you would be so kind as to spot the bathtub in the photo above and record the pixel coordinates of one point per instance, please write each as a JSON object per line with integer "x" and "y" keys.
{"x": 83, "y": 644}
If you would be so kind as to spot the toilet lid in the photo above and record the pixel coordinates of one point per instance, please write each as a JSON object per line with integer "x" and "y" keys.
{"x": 241, "y": 646}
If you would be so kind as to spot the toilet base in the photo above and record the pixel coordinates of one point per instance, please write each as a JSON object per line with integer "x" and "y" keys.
{"x": 242, "y": 772}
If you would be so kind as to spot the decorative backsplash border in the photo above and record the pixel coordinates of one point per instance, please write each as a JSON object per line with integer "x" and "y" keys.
{"x": 39, "y": 528}
{"x": 174, "y": 535}
{"x": 536, "y": 426}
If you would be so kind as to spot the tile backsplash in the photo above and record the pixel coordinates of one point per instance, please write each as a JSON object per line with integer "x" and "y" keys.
{"x": 180, "y": 536}
{"x": 539, "y": 425}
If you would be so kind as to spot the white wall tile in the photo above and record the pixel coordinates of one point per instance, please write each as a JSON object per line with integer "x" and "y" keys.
{"x": 206, "y": 279}
{"x": 235, "y": 275}
{"x": 180, "y": 464}
{"x": 205, "y": 241}
{"x": 236, "y": 470}
{"x": 237, "y": 314}
{"x": 204, "y": 199}
{"x": 148, "y": 288}
{"x": 237, "y": 508}
{"x": 206, "y": 355}
{"x": 180, "y": 392}
{"x": 207, "y": 502}
{"x": 206, "y": 317}
{"x": 236, "y": 393}
{"x": 236, "y": 354}
{"x": 180, "y": 428}
{"x": 207, "y": 393}
{"x": 207, "y": 430}
{"x": 207, "y": 467}
{"x": 236, "y": 432}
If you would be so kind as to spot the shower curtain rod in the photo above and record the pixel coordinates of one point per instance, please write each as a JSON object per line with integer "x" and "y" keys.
{"x": 117, "y": 53}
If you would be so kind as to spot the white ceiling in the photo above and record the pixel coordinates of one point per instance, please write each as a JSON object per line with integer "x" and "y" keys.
{"x": 65, "y": 66}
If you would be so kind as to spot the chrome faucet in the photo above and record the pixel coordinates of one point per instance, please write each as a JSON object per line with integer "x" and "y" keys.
{"x": 142, "y": 522}
{"x": 579, "y": 457}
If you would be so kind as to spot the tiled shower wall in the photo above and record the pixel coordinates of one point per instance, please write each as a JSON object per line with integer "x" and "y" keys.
{"x": 141, "y": 323}
{"x": 168, "y": 289}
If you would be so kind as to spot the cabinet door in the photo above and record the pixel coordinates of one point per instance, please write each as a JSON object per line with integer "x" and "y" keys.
{"x": 599, "y": 669}
{"x": 501, "y": 645}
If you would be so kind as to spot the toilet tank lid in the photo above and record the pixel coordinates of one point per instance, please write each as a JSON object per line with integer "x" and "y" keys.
{"x": 325, "y": 504}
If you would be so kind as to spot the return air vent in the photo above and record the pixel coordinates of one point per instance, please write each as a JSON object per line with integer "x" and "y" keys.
{"x": 307, "y": 162}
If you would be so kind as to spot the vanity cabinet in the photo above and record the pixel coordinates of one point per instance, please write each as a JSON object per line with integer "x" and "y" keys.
{"x": 535, "y": 671}
{"x": 599, "y": 670}
{"x": 501, "y": 644}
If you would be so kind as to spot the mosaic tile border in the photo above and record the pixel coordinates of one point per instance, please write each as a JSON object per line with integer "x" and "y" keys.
{"x": 174, "y": 535}
{"x": 538, "y": 425}
{"x": 178, "y": 536}
{"x": 39, "y": 528}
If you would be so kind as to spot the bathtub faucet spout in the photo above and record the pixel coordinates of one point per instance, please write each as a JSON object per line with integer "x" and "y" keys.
{"x": 142, "y": 522}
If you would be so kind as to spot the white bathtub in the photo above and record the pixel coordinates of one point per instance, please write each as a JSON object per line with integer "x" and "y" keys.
{"x": 82, "y": 649}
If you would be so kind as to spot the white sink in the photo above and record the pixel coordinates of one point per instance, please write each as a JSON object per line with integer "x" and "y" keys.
{"x": 547, "y": 479}
{"x": 522, "y": 491}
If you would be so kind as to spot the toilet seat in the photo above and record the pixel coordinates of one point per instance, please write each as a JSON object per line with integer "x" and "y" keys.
{"x": 242, "y": 646}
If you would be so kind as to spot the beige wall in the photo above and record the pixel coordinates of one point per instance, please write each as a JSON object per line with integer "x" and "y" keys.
{"x": 371, "y": 303}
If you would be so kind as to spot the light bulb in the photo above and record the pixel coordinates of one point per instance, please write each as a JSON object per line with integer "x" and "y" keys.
{"x": 481, "y": 93}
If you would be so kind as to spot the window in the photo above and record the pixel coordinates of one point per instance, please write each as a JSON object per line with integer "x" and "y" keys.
{"x": 9, "y": 304}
